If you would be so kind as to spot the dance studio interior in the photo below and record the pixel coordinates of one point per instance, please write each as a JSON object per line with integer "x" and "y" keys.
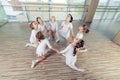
{"x": 58, "y": 58}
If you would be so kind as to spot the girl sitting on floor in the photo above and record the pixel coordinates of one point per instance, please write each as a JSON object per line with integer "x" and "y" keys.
{"x": 42, "y": 50}
{"x": 82, "y": 30}
{"x": 66, "y": 28}
{"x": 53, "y": 28}
{"x": 34, "y": 27}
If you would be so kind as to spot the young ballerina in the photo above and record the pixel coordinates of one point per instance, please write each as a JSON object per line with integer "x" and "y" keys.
{"x": 34, "y": 27}
{"x": 66, "y": 27}
{"x": 71, "y": 56}
{"x": 41, "y": 25}
{"x": 42, "y": 50}
{"x": 82, "y": 30}
{"x": 53, "y": 28}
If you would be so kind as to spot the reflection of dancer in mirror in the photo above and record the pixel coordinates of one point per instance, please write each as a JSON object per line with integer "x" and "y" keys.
{"x": 66, "y": 28}
{"x": 42, "y": 50}
{"x": 34, "y": 27}
{"x": 71, "y": 56}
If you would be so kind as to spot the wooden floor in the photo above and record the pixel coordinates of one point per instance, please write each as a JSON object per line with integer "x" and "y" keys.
{"x": 101, "y": 62}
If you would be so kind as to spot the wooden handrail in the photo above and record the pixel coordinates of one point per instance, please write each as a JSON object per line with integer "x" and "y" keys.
{"x": 108, "y": 6}
{"x": 41, "y": 4}
{"x": 54, "y": 11}
{"x": 108, "y": 11}
{"x": 63, "y": 11}
{"x": 52, "y": 4}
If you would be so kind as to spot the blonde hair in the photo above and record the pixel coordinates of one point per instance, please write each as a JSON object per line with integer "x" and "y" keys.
{"x": 54, "y": 18}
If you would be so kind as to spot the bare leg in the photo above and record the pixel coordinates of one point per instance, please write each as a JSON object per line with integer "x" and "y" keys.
{"x": 49, "y": 34}
{"x": 53, "y": 35}
{"x": 39, "y": 59}
{"x": 57, "y": 36}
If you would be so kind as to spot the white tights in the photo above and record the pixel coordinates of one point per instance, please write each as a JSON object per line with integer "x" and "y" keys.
{"x": 72, "y": 65}
{"x": 30, "y": 44}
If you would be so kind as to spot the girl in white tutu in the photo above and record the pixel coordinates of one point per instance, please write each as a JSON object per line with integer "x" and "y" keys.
{"x": 41, "y": 25}
{"x": 66, "y": 28}
{"x": 53, "y": 28}
{"x": 42, "y": 50}
{"x": 82, "y": 30}
{"x": 34, "y": 27}
{"x": 71, "y": 55}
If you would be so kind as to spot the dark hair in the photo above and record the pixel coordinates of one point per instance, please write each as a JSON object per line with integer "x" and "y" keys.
{"x": 85, "y": 28}
{"x": 74, "y": 53}
{"x": 31, "y": 24}
{"x": 71, "y": 18}
{"x": 84, "y": 25}
{"x": 40, "y": 36}
{"x": 37, "y": 19}
{"x": 78, "y": 45}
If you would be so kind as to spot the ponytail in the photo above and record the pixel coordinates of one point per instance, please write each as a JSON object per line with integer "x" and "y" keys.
{"x": 71, "y": 18}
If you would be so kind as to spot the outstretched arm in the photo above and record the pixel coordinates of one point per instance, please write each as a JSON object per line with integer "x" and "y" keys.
{"x": 55, "y": 50}
{"x": 72, "y": 32}
{"x": 48, "y": 44}
{"x": 65, "y": 50}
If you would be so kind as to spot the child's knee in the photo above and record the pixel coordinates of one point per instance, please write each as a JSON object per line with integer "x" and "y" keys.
{"x": 43, "y": 57}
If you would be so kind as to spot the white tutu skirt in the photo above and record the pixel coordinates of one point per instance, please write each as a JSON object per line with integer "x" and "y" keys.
{"x": 41, "y": 53}
{"x": 64, "y": 34}
{"x": 71, "y": 59}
